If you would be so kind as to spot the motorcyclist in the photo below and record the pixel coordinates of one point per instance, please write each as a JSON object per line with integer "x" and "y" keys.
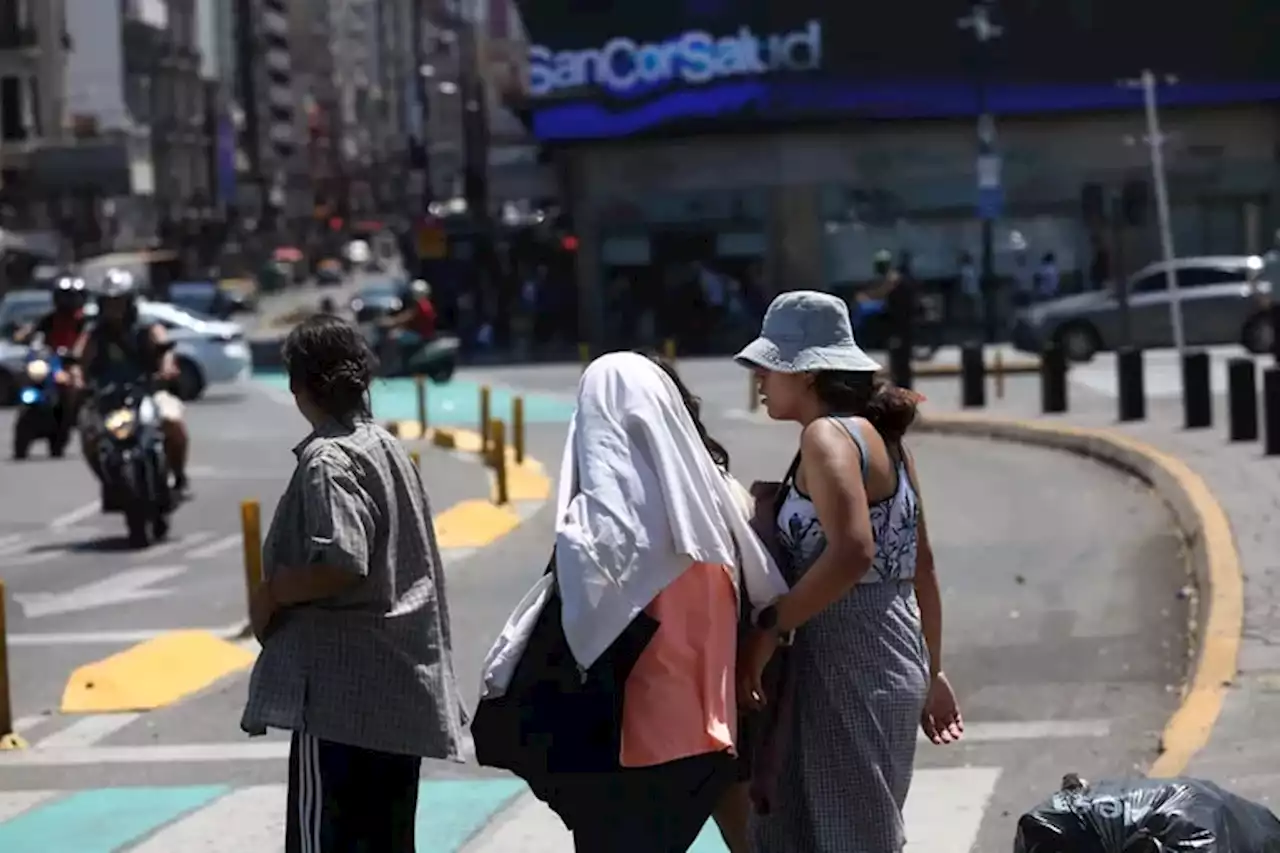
{"x": 61, "y": 329}
{"x": 415, "y": 323}
{"x": 118, "y": 347}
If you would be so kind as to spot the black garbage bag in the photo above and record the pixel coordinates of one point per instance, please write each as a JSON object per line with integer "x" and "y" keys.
{"x": 1147, "y": 816}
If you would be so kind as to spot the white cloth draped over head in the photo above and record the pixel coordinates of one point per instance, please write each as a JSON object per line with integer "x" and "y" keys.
{"x": 640, "y": 500}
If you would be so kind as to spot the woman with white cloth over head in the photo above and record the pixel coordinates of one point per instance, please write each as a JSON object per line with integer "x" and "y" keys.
{"x": 647, "y": 523}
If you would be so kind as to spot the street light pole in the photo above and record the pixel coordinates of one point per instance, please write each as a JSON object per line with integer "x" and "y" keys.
{"x": 1155, "y": 140}
{"x": 990, "y": 193}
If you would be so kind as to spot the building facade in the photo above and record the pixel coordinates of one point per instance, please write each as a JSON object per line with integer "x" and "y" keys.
{"x": 33, "y": 55}
{"x": 786, "y": 150}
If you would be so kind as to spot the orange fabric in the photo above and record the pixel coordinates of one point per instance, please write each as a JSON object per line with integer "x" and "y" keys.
{"x": 680, "y": 697}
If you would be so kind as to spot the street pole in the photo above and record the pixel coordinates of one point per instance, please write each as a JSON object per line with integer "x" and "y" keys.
{"x": 1156, "y": 142}
{"x": 424, "y": 103}
{"x": 988, "y": 161}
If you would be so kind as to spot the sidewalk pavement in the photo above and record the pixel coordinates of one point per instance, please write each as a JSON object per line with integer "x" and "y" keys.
{"x": 1242, "y": 753}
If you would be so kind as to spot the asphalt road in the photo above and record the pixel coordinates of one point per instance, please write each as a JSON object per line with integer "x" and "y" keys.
{"x": 1065, "y": 632}
{"x": 78, "y": 593}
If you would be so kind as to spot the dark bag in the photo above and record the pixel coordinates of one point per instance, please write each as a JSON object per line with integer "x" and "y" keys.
{"x": 765, "y": 732}
{"x": 1147, "y": 816}
{"x": 556, "y": 723}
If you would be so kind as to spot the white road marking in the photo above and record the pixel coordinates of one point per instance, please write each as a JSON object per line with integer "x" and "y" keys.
{"x": 945, "y": 807}
{"x": 69, "y": 519}
{"x": 29, "y": 722}
{"x": 121, "y": 588}
{"x": 1032, "y": 730}
{"x": 195, "y": 753}
{"x": 246, "y": 820}
{"x": 14, "y": 803}
{"x": 87, "y": 731}
{"x": 216, "y": 547}
{"x": 176, "y": 544}
{"x": 17, "y": 561}
{"x": 10, "y": 542}
{"x": 111, "y": 638}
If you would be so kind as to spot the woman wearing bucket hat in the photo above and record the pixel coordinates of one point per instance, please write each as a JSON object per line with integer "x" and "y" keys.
{"x": 866, "y": 661}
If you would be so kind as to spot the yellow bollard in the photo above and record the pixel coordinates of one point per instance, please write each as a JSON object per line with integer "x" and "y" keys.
{"x": 251, "y": 526}
{"x": 753, "y": 392}
{"x": 669, "y": 350}
{"x": 517, "y": 427}
{"x": 498, "y": 459}
{"x": 8, "y": 739}
{"x": 484, "y": 419}
{"x": 420, "y": 382}
{"x": 998, "y": 370}
{"x": 416, "y": 457}
{"x": 584, "y": 353}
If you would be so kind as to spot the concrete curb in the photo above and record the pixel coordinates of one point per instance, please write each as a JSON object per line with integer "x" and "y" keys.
{"x": 925, "y": 370}
{"x": 1210, "y": 546}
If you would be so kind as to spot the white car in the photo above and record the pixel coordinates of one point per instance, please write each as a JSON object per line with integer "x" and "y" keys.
{"x": 209, "y": 352}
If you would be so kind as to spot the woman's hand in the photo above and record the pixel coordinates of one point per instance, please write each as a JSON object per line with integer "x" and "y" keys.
{"x": 940, "y": 720}
{"x": 753, "y": 656}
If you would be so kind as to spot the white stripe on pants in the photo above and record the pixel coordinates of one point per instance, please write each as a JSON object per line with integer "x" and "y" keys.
{"x": 310, "y": 794}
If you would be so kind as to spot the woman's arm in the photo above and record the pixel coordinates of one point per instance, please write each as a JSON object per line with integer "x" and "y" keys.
{"x": 832, "y": 466}
{"x": 927, "y": 592}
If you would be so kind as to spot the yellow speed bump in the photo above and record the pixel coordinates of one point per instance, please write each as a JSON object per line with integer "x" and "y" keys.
{"x": 474, "y": 524}
{"x": 153, "y": 674}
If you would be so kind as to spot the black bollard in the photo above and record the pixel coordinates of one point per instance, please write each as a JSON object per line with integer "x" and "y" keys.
{"x": 1271, "y": 405}
{"x": 1242, "y": 400}
{"x": 1130, "y": 384}
{"x": 1053, "y": 380}
{"x": 973, "y": 377}
{"x": 1197, "y": 390}
{"x": 900, "y": 363}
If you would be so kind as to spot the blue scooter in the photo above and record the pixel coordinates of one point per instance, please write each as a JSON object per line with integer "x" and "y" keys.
{"x": 42, "y": 404}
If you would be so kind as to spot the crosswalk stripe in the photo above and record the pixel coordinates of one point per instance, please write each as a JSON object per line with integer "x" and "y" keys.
{"x": 943, "y": 815}
{"x": 215, "y": 547}
{"x": 247, "y": 820}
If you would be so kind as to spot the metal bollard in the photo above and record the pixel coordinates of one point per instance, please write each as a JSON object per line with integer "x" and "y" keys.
{"x": 1131, "y": 384}
{"x": 498, "y": 459}
{"x": 7, "y": 735}
{"x": 1242, "y": 400}
{"x": 485, "y": 399}
{"x": 1053, "y": 380}
{"x": 1197, "y": 390}
{"x": 998, "y": 370}
{"x": 517, "y": 427}
{"x": 420, "y": 384}
{"x": 416, "y": 458}
{"x": 973, "y": 377}
{"x": 1271, "y": 406}
{"x": 251, "y": 528}
{"x": 669, "y": 350}
{"x": 584, "y": 353}
{"x": 900, "y": 368}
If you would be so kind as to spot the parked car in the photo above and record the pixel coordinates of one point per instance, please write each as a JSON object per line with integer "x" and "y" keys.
{"x": 1224, "y": 301}
{"x": 377, "y": 300}
{"x": 209, "y": 351}
{"x": 13, "y": 365}
{"x": 209, "y": 299}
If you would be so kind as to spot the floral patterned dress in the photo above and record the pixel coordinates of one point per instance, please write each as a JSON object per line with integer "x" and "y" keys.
{"x": 862, "y": 673}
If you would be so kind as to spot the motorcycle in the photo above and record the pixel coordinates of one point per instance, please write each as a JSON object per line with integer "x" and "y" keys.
{"x": 43, "y": 398}
{"x": 131, "y": 459}
{"x": 437, "y": 358}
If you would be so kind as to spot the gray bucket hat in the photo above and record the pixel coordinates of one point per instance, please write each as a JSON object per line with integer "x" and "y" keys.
{"x": 803, "y": 331}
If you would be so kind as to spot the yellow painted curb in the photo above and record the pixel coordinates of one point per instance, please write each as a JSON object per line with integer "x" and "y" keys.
{"x": 153, "y": 674}
{"x": 11, "y": 742}
{"x": 474, "y": 524}
{"x": 1210, "y": 543}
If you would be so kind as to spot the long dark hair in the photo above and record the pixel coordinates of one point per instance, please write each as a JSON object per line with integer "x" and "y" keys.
{"x": 694, "y": 405}
{"x": 890, "y": 409}
{"x": 330, "y": 359}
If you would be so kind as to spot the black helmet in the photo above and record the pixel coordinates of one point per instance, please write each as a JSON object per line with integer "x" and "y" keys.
{"x": 69, "y": 293}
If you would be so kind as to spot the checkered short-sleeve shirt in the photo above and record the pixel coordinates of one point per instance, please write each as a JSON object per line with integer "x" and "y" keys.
{"x": 372, "y": 667}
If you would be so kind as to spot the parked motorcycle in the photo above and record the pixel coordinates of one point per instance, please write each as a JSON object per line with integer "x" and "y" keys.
{"x": 43, "y": 398}
{"x": 436, "y": 359}
{"x": 131, "y": 459}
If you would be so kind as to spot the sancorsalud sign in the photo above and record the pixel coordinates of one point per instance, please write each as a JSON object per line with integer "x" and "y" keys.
{"x": 622, "y": 65}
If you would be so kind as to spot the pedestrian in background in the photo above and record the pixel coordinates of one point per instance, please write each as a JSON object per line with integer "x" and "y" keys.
{"x": 356, "y": 652}
{"x": 864, "y": 602}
